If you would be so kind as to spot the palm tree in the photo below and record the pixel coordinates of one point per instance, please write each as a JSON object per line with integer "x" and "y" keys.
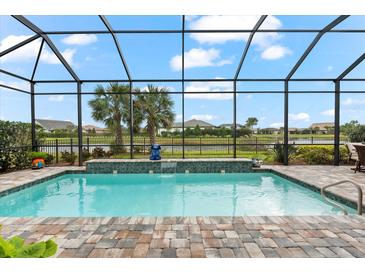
{"x": 156, "y": 106}
{"x": 111, "y": 106}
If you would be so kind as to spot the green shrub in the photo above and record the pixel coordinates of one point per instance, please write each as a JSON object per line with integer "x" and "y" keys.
{"x": 85, "y": 154}
{"x": 49, "y": 159}
{"x": 320, "y": 154}
{"x": 279, "y": 152}
{"x": 15, "y": 142}
{"x": 14, "y": 159}
{"x": 354, "y": 131}
{"x": 99, "y": 152}
{"x": 68, "y": 157}
{"x": 16, "y": 248}
{"x": 115, "y": 149}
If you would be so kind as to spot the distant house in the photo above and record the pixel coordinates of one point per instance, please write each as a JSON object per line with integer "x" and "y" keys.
{"x": 52, "y": 125}
{"x": 229, "y": 126}
{"x": 177, "y": 127}
{"x": 322, "y": 127}
{"x": 291, "y": 130}
{"x": 269, "y": 130}
{"x": 94, "y": 129}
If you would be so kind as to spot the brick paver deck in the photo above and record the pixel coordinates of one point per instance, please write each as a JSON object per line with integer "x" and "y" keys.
{"x": 197, "y": 237}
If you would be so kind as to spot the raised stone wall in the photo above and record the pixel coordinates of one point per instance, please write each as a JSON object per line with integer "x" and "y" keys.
{"x": 169, "y": 166}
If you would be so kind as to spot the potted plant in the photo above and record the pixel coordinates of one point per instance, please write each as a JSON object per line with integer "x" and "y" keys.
{"x": 38, "y": 159}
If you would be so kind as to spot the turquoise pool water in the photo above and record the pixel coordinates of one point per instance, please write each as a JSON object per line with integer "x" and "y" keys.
{"x": 165, "y": 195}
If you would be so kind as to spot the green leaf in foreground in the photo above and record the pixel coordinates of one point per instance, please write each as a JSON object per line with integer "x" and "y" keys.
{"x": 16, "y": 248}
{"x": 35, "y": 250}
{"x": 51, "y": 249}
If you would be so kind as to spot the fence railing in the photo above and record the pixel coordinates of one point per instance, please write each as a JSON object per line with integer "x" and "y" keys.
{"x": 173, "y": 146}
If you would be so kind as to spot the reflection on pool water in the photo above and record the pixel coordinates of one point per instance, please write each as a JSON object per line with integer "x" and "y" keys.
{"x": 230, "y": 194}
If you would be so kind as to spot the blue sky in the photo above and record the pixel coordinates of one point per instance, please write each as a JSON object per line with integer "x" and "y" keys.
{"x": 155, "y": 56}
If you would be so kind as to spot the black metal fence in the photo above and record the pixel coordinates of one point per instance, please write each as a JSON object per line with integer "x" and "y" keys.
{"x": 172, "y": 147}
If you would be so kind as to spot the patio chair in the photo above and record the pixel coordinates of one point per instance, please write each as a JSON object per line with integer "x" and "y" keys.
{"x": 352, "y": 152}
{"x": 361, "y": 158}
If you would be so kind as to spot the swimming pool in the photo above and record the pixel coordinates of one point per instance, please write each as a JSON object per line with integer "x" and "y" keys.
{"x": 215, "y": 194}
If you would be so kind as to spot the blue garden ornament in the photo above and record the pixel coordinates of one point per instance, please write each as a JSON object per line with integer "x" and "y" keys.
{"x": 155, "y": 152}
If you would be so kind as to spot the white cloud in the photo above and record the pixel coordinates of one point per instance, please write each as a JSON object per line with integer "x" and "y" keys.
{"x": 198, "y": 57}
{"x": 169, "y": 88}
{"x": 30, "y": 51}
{"x": 20, "y": 85}
{"x": 329, "y": 112}
{"x": 23, "y": 53}
{"x": 329, "y": 68}
{"x": 80, "y": 39}
{"x": 50, "y": 58}
{"x": 248, "y": 96}
{"x": 266, "y": 42}
{"x": 56, "y": 98}
{"x": 349, "y": 102}
{"x": 277, "y": 125}
{"x": 301, "y": 116}
{"x": 178, "y": 117}
{"x": 275, "y": 52}
{"x": 204, "y": 117}
{"x": 209, "y": 87}
{"x": 234, "y": 23}
{"x": 263, "y": 118}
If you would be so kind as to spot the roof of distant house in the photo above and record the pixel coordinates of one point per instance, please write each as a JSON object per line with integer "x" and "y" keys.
{"x": 54, "y": 124}
{"x": 193, "y": 123}
{"x": 323, "y": 126}
{"x": 270, "y": 128}
{"x": 230, "y": 125}
{"x": 92, "y": 127}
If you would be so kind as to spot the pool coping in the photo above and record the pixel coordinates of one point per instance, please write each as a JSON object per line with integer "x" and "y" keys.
{"x": 336, "y": 197}
{"x": 34, "y": 182}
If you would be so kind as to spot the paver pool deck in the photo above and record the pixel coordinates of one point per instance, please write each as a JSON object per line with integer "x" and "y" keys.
{"x": 261, "y": 236}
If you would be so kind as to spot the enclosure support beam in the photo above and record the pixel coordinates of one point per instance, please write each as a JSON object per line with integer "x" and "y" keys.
{"x": 79, "y": 122}
{"x": 116, "y": 42}
{"x": 183, "y": 84}
{"x": 23, "y": 43}
{"x": 32, "y": 117}
{"x": 248, "y": 44}
{"x": 337, "y": 124}
{"x": 199, "y": 80}
{"x": 14, "y": 75}
{"x": 177, "y": 31}
{"x": 351, "y": 67}
{"x": 234, "y": 120}
{"x": 37, "y": 60}
{"x": 131, "y": 122}
{"x": 286, "y": 122}
{"x": 49, "y": 42}
{"x": 314, "y": 43}
{"x": 14, "y": 88}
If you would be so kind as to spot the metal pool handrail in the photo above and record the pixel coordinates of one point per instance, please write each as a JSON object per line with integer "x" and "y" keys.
{"x": 359, "y": 197}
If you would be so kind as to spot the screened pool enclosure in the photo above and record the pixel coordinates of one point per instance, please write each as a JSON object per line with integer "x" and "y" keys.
{"x": 217, "y": 70}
